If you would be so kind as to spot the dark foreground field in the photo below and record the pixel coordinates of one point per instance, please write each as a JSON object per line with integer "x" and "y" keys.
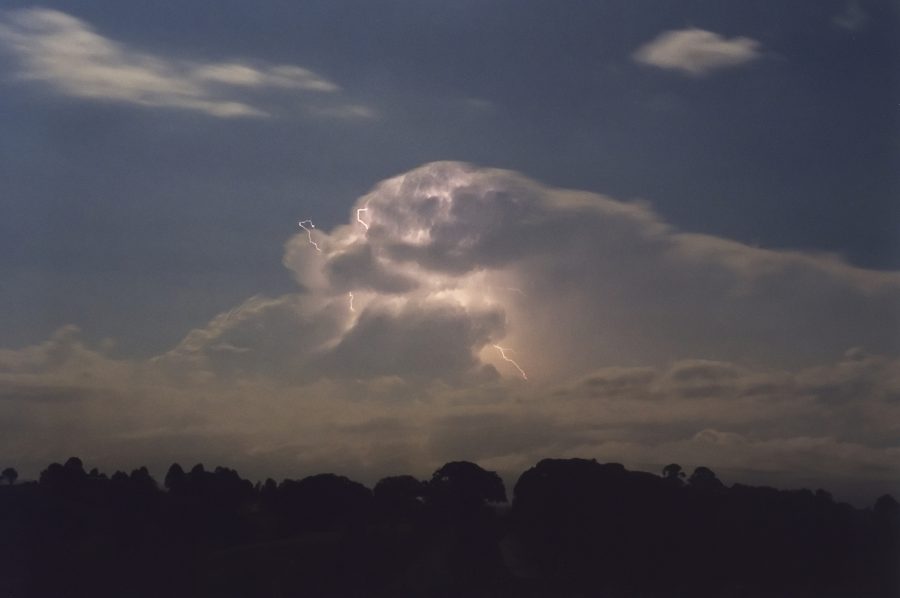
{"x": 573, "y": 528}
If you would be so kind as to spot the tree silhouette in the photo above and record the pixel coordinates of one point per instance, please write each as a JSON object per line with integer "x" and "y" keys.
{"x": 703, "y": 478}
{"x": 323, "y": 502}
{"x": 887, "y": 505}
{"x": 400, "y": 496}
{"x": 54, "y": 477}
{"x": 673, "y": 473}
{"x": 175, "y": 478}
{"x": 141, "y": 481}
{"x": 10, "y": 475}
{"x": 465, "y": 484}
{"x": 75, "y": 467}
{"x": 575, "y": 528}
{"x": 399, "y": 488}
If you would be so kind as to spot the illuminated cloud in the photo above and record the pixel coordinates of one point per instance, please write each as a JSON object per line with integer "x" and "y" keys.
{"x": 601, "y": 281}
{"x": 643, "y": 344}
{"x": 68, "y": 55}
{"x": 697, "y": 52}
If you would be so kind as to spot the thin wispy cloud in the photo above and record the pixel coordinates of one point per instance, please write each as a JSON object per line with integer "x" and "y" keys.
{"x": 697, "y": 52}
{"x": 344, "y": 112}
{"x": 853, "y": 18}
{"x": 66, "y": 53}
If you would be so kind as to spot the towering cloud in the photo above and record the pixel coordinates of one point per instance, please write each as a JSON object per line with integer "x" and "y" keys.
{"x": 642, "y": 343}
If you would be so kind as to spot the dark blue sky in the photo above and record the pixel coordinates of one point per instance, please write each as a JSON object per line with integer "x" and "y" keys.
{"x": 139, "y": 222}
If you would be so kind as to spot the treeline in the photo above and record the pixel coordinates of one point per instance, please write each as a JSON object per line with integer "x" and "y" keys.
{"x": 574, "y": 527}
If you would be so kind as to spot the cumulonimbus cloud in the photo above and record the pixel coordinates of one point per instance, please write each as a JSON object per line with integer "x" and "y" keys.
{"x": 598, "y": 280}
{"x": 65, "y": 53}
{"x": 642, "y": 343}
{"x": 697, "y": 52}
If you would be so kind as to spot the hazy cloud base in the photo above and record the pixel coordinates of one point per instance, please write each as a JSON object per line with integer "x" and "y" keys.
{"x": 642, "y": 344}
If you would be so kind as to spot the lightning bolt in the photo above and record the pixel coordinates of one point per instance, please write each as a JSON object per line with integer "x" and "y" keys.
{"x": 366, "y": 226}
{"x": 360, "y": 220}
{"x": 505, "y": 358}
{"x": 309, "y": 233}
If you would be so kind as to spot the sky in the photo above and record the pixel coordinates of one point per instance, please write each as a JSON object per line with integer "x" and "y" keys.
{"x": 638, "y": 231}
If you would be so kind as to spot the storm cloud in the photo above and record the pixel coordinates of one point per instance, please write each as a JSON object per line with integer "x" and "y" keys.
{"x": 642, "y": 343}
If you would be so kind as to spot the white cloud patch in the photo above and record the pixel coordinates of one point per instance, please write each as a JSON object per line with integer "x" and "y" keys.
{"x": 643, "y": 345}
{"x": 65, "y": 53}
{"x": 697, "y": 52}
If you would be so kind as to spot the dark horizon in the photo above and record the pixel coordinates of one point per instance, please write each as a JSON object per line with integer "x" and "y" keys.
{"x": 853, "y": 493}
{"x": 570, "y": 527}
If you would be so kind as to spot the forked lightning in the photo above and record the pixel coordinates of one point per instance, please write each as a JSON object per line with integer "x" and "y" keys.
{"x": 309, "y": 233}
{"x": 360, "y": 220}
{"x": 505, "y": 358}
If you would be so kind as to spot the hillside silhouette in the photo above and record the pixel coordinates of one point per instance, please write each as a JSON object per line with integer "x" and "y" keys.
{"x": 571, "y": 528}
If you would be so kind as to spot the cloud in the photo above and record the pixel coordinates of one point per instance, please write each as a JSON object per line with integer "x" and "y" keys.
{"x": 287, "y": 77}
{"x": 68, "y": 55}
{"x": 433, "y": 341}
{"x": 643, "y": 344}
{"x": 697, "y": 52}
{"x": 853, "y": 18}
{"x": 600, "y": 281}
{"x": 346, "y": 112}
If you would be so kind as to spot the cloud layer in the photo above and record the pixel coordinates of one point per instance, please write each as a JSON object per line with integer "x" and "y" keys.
{"x": 697, "y": 52}
{"x": 643, "y": 344}
{"x": 68, "y": 55}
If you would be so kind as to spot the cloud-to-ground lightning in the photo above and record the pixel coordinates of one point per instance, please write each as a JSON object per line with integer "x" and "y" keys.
{"x": 505, "y": 358}
{"x": 308, "y": 225}
{"x": 366, "y": 226}
{"x": 309, "y": 233}
{"x": 360, "y": 220}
